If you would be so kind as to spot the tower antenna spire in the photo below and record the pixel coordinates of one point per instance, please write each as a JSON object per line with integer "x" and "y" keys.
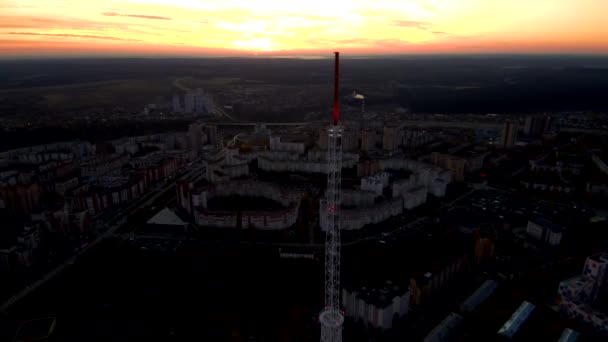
{"x": 336, "y": 86}
{"x": 331, "y": 317}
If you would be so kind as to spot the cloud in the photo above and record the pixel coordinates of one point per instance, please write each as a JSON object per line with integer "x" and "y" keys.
{"x": 314, "y": 17}
{"x": 454, "y": 36}
{"x": 430, "y": 8}
{"x": 347, "y": 41}
{"x": 18, "y": 22}
{"x": 70, "y": 36}
{"x": 140, "y": 16}
{"x": 421, "y": 25}
{"x": 364, "y": 43}
{"x": 16, "y": 6}
{"x": 27, "y": 23}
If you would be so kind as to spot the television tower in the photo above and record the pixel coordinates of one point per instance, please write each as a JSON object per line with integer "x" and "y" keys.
{"x": 331, "y": 317}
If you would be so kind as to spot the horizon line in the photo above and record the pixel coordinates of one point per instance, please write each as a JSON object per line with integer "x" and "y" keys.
{"x": 305, "y": 56}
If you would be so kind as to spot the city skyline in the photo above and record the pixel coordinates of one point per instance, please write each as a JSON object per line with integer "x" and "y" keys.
{"x": 239, "y": 28}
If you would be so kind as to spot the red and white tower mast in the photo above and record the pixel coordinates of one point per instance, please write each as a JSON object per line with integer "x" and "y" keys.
{"x": 331, "y": 317}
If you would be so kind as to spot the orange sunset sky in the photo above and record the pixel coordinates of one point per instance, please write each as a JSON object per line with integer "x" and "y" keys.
{"x": 249, "y": 27}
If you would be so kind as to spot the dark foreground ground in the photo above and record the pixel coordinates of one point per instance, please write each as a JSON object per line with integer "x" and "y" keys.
{"x": 208, "y": 292}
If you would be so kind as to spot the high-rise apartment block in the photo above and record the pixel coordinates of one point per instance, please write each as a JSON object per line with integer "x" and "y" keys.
{"x": 195, "y": 136}
{"x": 177, "y": 105}
{"x": 391, "y": 138}
{"x": 509, "y": 134}
{"x": 584, "y": 298}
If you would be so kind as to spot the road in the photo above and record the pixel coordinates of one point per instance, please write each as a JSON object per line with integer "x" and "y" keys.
{"x": 379, "y": 236}
{"x": 114, "y": 224}
{"x": 453, "y": 124}
{"x": 452, "y": 202}
{"x": 178, "y": 84}
{"x": 232, "y": 141}
{"x": 70, "y": 261}
{"x": 219, "y": 110}
{"x": 592, "y": 131}
{"x": 406, "y": 123}
{"x": 253, "y": 124}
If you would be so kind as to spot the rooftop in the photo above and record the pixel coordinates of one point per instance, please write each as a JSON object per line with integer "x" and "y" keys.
{"x": 600, "y": 257}
{"x": 166, "y": 217}
{"x": 445, "y": 329}
{"x": 479, "y": 296}
{"x": 452, "y": 247}
{"x": 569, "y": 335}
{"x": 380, "y": 296}
{"x": 36, "y": 329}
{"x": 519, "y": 317}
{"x": 548, "y": 224}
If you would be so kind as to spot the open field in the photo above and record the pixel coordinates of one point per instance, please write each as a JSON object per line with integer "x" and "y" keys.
{"x": 131, "y": 94}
